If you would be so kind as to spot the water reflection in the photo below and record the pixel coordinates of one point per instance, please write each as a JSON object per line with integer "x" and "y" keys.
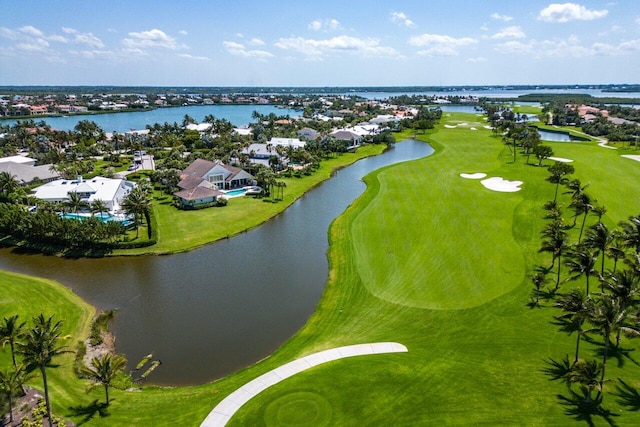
{"x": 225, "y": 306}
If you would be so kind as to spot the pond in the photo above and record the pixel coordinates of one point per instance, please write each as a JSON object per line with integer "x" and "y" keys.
{"x": 558, "y": 136}
{"x": 212, "y": 311}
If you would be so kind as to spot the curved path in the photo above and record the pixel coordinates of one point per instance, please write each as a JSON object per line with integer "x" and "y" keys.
{"x": 223, "y": 412}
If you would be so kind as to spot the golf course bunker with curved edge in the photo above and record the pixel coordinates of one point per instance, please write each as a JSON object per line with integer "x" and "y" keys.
{"x": 223, "y": 412}
{"x": 477, "y": 175}
{"x": 502, "y": 185}
{"x": 561, "y": 159}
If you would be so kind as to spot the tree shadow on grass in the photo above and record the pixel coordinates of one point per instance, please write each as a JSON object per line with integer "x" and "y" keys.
{"x": 628, "y": 396}
{"x": 577, "y": 407}
{"x": 90, "y": 411}
{"x": 558, "y": 369}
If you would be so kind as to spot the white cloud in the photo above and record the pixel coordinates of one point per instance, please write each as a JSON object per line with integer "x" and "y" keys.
{"x": 327, "y": 24}
{"x": 30, "y": 30}
{"x": 499, "y": 17}
{"x": 440, "y": 45}
{"x": 196, "y": 58}
{"x": 513, "y": 32}
{"x": 315, "y": 49}
{"x": 183, "y": 32}
{"x": 476, "y": 60}
{"x": 149, "y": 39}
{"x": 89, "y": 39}
{"x": 239, "y": 49}
{"x": 569, "y": 48}
{"x": 566, "y": 12}
{"x": 68, "y": 30}
{"x": 401, "y": 19}
{"x": 484, "y": 27}
{"x": 256, "y": 42}
{"x": 315, "y": 25}
{"x": 37, "y": 45}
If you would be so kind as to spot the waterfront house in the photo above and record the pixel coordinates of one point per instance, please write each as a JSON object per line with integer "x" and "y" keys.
{"x": 203, "y": 181}
{"x": 24, "y": 170}
{"x": 308, "y": 133}
{"x": 111, "y": 191}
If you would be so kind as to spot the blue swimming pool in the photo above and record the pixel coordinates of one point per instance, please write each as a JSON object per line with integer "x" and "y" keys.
{"x": 104, "y": 217}
{"x": 236, "y": 193}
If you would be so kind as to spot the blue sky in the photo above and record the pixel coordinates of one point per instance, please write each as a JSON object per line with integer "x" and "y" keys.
{"x": 318, "y": 43}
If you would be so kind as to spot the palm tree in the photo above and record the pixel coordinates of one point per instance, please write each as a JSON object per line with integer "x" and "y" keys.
{"x": 98, "y": 207}
{"x": 539, "y": 279}
{"x": 600, "y": 238}
{"x": 138, "y": 203}
{"x": 631, "y": 233}
{"x": 75, "y": 202}
{"x": 581, "y": 261}
{"x": 104, "y": 370}
{"x": 11, "y": 382}
{"x": 582, "y": 205}
{"x": 625, "y": 286}
{"x": 574, "y": 308}
{"x": 616, "y": 249}
{"x": 8, "y": 184}
{"x": 40, "y": 346}
{"x": 10, "y": 333}
{"x": 586, "y": 373}
{"x": 558, "y": 172}
{"x": 555, "y": 242}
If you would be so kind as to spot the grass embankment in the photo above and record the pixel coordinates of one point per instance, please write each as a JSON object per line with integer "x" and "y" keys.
{"x": 180, "y": 231}
{"x": 439, "y": 264}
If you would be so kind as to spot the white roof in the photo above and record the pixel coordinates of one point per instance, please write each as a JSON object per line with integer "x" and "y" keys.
{"x": 101, "y": 188}
{"x": 17, "y": 159}
{"x": 242, "y": 131}
{"x": 289, "y": 142}
{"x": 200, "y": 127}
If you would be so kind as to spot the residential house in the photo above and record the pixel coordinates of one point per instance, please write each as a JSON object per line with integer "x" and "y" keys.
{"x": 346, "y": 135}
{"x": 308, "y": 133}
{"x": 204, "y": 181}
{"x": 111, "y": 191}
{"x": 24, "y": 170}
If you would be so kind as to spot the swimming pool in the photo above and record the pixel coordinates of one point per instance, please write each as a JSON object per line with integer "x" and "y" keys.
{"x": 104, "y": 217}
{"x": 235, "y": 193}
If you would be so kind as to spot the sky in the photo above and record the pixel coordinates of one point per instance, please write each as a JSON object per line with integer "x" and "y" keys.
{"x": 318, "y": 43}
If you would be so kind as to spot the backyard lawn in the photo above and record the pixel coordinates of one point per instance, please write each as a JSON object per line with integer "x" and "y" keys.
{"x": 438, "y": 263}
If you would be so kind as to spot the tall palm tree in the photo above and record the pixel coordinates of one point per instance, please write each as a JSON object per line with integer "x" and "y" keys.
{"x": 582, "y": 205}
{"x": 539, "y": 279}
{"x": 631, "y": 233}
{"x": 556, "y": 240}
{"x": 75, "y": 202}
{"x": 581, "y": 261}
{"x": 11, "y": 382}
{"x": 8, "y": 184}
{"x": 40, "y": 346}
{"x": 586, "y": 373}
{"x": 10, "y": 333}
{"x": 625, "y": 286}
{"x": 98, "y": 207}
{"x": 600, "y": 238}
{"x": 138, "y": 203}
{"x": 616, "y": 248}
{"x": 574, "y": 308}
{"x": 104, "y": 370}
{"x": 558, "y": 172}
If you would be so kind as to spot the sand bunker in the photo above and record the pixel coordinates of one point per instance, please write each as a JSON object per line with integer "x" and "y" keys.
{"x": 449, "y": 126}
{"x": 487, "y": 127}
{"x": 464, "y": 124}
{"x": 497, "y": 183}
{"x": 476, "y": 175}
{"x": 561, "y": 159}
{"x": 632, "y": 157}
{"x": 474, "y": 129}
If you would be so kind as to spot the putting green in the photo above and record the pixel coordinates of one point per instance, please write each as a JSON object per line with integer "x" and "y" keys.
{"x": 481, "y": 262}
{"x": 299, "y": 409}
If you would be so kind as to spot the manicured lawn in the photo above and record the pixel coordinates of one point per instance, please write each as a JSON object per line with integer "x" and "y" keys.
{"x": 180, "y": 231}
{"x": 438, "y": 263}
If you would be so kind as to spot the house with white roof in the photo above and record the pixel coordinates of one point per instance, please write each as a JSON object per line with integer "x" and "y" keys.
{"x": 24, "y": 170}
{"x": 287, "y": 142}
{"x": 111, "y": 191}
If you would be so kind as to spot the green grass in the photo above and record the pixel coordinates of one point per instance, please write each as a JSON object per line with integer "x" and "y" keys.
{"x": 180, "y": 231}
{"x": 439, "y": 264}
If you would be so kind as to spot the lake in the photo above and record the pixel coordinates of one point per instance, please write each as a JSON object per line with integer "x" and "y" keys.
{"x": 217, "y": 309}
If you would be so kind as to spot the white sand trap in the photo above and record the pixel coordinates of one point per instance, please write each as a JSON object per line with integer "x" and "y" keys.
{"x": 632, "y": 157}
{"x": 603, "y": 144}
{"x": 464, "y": 124}
{"x": 497, "y": 183}
{"x": 476, "y": 175}
{"x": 487, "y": 127}
{"x": 561, "y": 159}
{"x": 474, "y": 129}
{"x": 450, "y": 126}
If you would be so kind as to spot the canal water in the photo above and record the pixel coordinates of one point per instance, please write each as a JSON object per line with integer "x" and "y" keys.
{"x": 217, "y": 309}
